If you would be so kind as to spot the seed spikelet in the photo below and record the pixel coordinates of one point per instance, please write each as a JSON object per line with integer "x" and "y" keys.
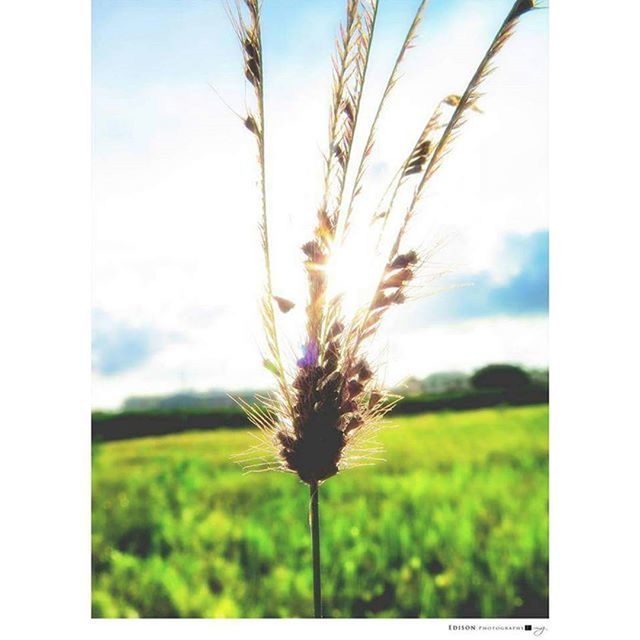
{"x": 327, "y": 405}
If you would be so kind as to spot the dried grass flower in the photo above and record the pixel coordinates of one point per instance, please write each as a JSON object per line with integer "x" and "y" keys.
{"x": 329, "y": 401}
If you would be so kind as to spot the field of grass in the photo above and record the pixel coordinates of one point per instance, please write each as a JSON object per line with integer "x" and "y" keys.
{"x": 453, "y": 524}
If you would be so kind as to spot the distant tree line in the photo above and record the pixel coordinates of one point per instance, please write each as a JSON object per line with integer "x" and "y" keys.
{"x": 493, "y": 385}
{"x": 493, "y": 376}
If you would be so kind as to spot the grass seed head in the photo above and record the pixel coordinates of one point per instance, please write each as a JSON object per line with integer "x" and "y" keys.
{"x": 331, "y": 397}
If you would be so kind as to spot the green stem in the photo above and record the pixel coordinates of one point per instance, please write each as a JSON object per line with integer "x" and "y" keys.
{"x": 314, "y": 523}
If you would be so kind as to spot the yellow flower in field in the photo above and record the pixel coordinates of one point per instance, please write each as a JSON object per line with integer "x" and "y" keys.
{"x": 444, "y": 579}
{"x": 225, "y": 608}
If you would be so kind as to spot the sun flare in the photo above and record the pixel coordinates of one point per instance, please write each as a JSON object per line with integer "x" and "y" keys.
{"x": 354, "y": 269}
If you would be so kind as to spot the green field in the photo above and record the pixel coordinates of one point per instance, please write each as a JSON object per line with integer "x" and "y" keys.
{"x": 453, "y": 524}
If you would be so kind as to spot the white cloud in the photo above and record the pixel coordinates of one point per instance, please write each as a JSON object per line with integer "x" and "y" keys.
{"x": 468, "y": 345}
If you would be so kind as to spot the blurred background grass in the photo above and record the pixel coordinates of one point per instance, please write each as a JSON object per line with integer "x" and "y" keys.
{"x": 453, "y": 524}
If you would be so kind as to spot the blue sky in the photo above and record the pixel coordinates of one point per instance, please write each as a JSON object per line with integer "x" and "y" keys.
{"x": 478, "y": 295}
{"x": 141, "y": 42}
{"x": 174, "y": 202}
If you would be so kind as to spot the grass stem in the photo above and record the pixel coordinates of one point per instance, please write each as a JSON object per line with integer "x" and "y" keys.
{"x": 314, "y": 523}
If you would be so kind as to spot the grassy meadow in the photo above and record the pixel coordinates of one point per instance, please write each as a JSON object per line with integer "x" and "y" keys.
{"x": 453, "y": 524}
